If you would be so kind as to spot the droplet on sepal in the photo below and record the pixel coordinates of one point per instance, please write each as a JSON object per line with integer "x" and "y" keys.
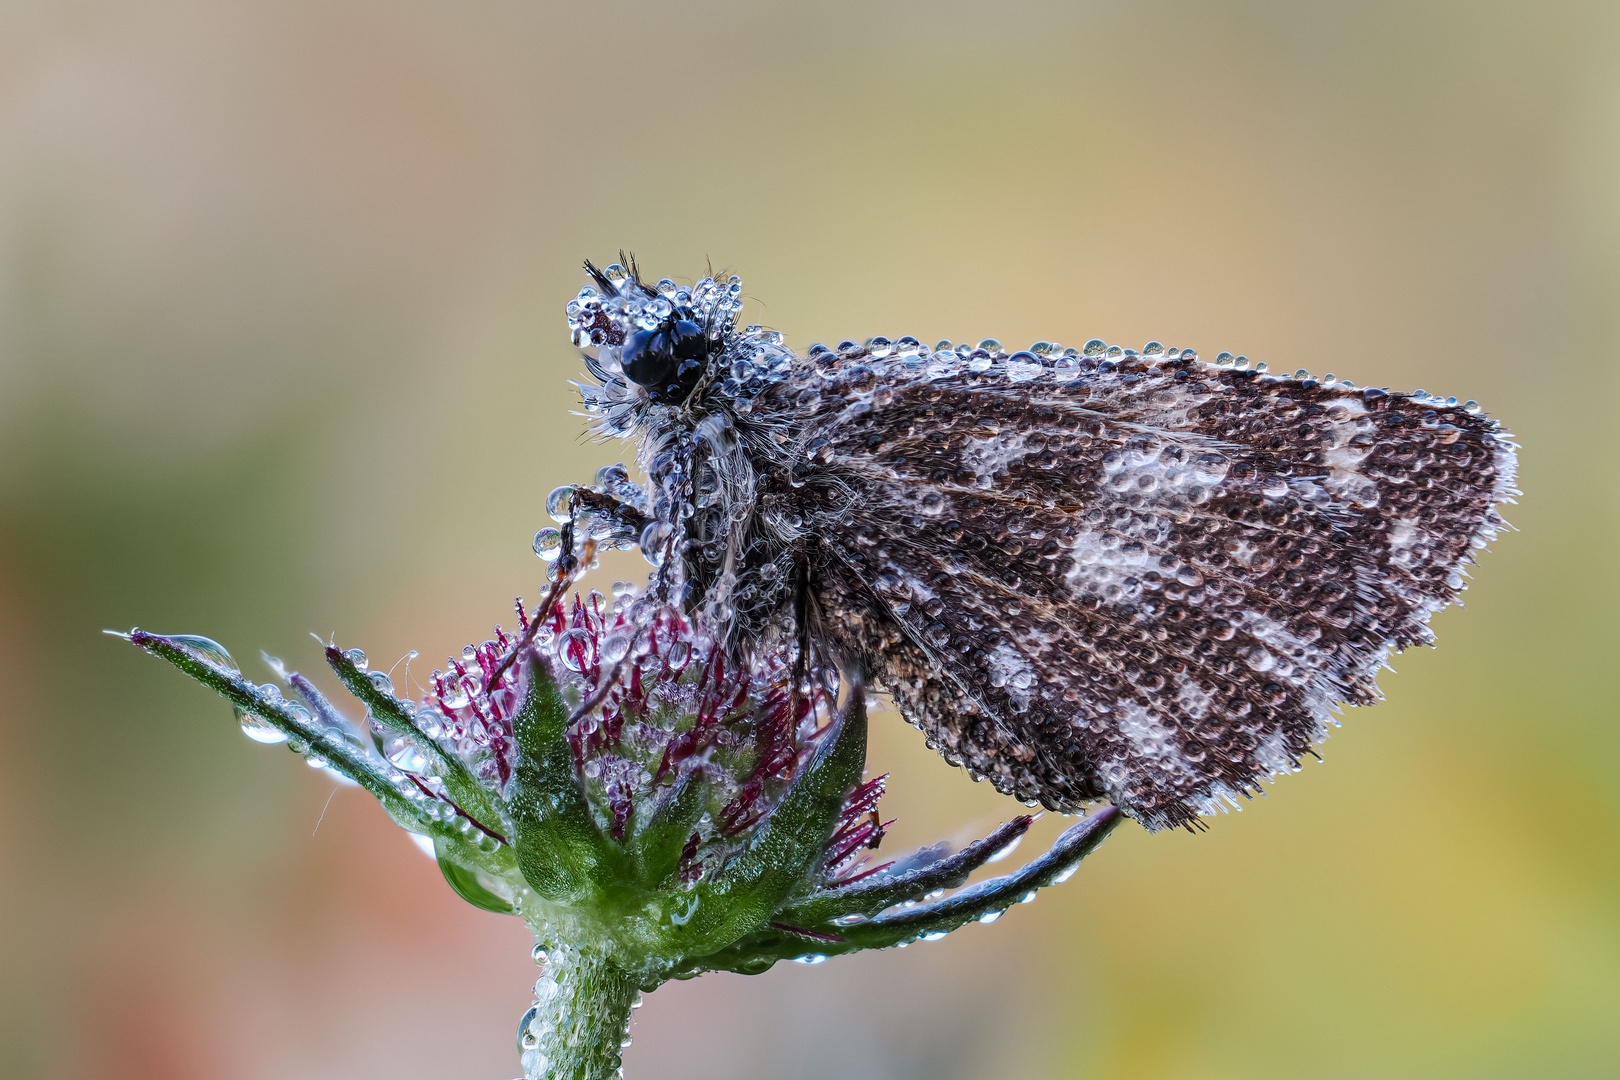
{"x": 208, "y": 649}
{"x": 257, "y": 727}
{"x": 1006, "y": 849}
{"x": 404, "y": 755}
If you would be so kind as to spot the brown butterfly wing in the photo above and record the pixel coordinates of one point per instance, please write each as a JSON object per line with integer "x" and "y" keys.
{"x": 1152, "y": 581}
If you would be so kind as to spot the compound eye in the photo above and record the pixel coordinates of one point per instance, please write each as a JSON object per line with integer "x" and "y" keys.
{"x": 690, "y": 343}
{"x": 668, "y": 361}
{"x": 648, "y": 358}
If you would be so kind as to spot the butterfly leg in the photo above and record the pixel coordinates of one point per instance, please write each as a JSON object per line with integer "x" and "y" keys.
{"x": 619, "y": 522}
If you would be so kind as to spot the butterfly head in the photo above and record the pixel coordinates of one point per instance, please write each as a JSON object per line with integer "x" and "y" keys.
{"x": 649, "y": 345}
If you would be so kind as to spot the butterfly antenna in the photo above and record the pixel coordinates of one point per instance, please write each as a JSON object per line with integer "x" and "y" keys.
{"x": 601, "y": 279}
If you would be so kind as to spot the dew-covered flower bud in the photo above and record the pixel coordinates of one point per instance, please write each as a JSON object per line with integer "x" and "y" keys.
{"x": 649, "y": 808}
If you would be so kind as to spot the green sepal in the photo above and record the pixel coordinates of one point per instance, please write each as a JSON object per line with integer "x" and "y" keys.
{"x": 561, "y": 850}
{"x": 342, "y": 755}
{"x": 656, "y": 847}
{"x": 465, "y": 881}
{"x": 385, "y": 709}
{"x": 783, "y": 854}
{"x": 882, "y": 891}
{"x": 758, "y": 952}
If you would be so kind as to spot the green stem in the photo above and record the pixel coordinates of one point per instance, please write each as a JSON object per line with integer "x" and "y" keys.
{"x": 576, "y": 1029}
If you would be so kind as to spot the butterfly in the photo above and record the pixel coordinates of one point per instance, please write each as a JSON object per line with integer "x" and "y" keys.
{"x": 1085, "y": 574}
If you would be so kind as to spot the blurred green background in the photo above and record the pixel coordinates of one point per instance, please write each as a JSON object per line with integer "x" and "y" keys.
{"x": 282, "y": 350}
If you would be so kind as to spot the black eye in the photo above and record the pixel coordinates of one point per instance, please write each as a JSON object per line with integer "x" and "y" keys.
{"x": 667, "y": 361}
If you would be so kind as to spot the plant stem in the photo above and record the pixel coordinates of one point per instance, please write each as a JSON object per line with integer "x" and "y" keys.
{"x": 581, "y": 1013}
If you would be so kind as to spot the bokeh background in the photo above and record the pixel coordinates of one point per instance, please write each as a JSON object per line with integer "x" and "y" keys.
{"x": 282, "y": 350}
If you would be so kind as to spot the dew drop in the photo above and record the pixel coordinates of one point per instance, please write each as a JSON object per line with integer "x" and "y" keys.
{"x": 616, "y": 646}
{"x": 653, "y": 539}
{"x": 991, "y": 916}
{"x": 548, "y": 544}
{"x": 572, "y": 646}
{"x": 455, "y": 695}
{"x": 357, "y": 657}
{"x": 258, "y": 728}
{"x": 561, "y": 502}
{"x": 208, "y": 649}
{"x": 1209, "y": 468}
{"x": 526, "y": 1039}
{"x": 405, "y": 755}
{"x": 1006, "y": 849}
{"x": 1094, "y": 347}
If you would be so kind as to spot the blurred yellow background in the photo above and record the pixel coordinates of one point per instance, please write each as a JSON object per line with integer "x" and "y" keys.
{"x": 282, "y": 350}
